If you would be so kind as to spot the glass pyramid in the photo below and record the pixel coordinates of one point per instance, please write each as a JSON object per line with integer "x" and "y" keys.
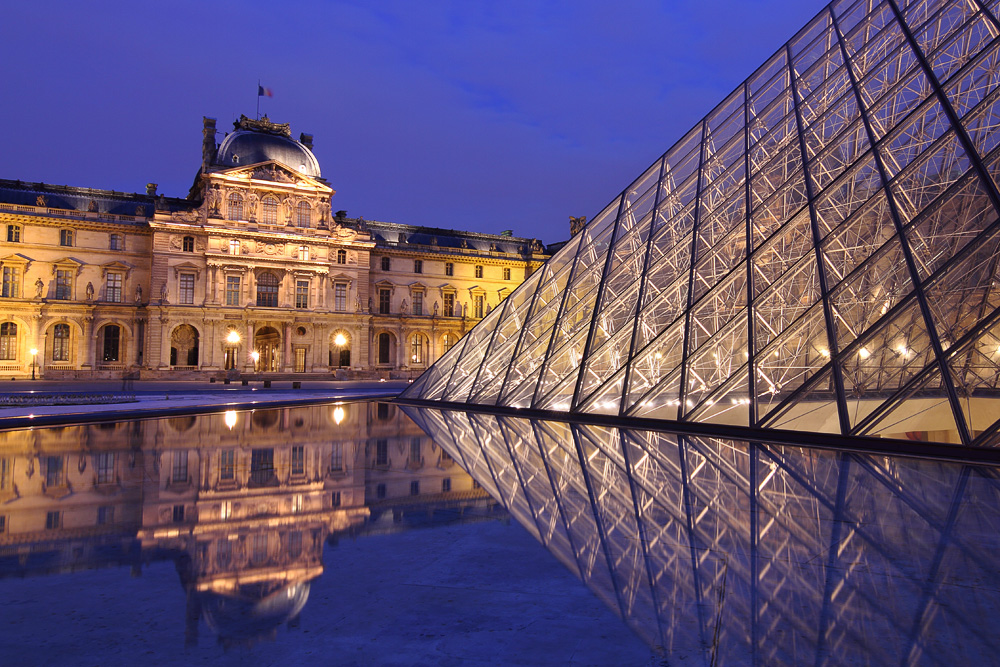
{"x": 819, "y": 253}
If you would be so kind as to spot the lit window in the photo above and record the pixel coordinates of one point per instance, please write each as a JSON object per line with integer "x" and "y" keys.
{"x": 232, "y": 290}
{"x": 449, "y": 269}
{"x": 116, "y": 242}
{"x": 235, "y": 208}
{"x": 418, "y": 303}
{"x": 385, "y": 263}
{"x": 188, "y": 244}
{"x": 304, "y": 253}
{"x": 479, "y": 271}
{"x": 13, "y": 233}
{"x": 64, "y": 284}
{"x": 340, "y": 297}
{"x": 8, "y": 341}
{"x": 234, "y": 247}
{"x": 187, "y": 288}
{"x": 417, "y": 349}
{"x": 506, "y": 273}
{"x": 114, "y": 290}
{"x": 267, "y": 290}
{"x": 66, "y": 237}
{"x": 418, "y": 266}
{"x": 341, "y": 257}
{"x": 302, "y": 214}
{"x": 11, "y": 282}
{"x": 60, "y": 342}
{"x": 302, "y": 294}
{"x": 269, "y": 211}
{"x": 297, "y": 502}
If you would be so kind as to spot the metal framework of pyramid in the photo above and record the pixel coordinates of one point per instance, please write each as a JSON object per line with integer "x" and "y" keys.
{"x": 818, "y": 254}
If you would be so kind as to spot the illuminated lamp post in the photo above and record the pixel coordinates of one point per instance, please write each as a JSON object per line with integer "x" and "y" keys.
{"x": 233, "y": 339}
{"x": 34, "y": 354}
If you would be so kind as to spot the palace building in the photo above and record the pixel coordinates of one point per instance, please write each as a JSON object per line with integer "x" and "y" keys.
{"x": 252, "y": 272}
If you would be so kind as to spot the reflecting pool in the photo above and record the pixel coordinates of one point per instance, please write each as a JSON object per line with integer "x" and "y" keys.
{"x": 339, "y": 533}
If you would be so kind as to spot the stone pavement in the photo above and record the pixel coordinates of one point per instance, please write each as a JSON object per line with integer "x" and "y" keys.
{"x": 156, "y": 398}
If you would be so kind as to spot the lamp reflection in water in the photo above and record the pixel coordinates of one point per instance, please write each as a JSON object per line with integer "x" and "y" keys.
{"x": 230, "y": 419}
{"x": 34, "y": 354}
{"x": 727, "y": 552}
{"x": 338, "y": 415}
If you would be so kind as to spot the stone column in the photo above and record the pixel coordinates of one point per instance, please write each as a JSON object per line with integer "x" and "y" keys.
{"x": 164, "y": 343}
{"x": 88, "y": 343}
{"x": 287, "y": 362}
{"x": 247, "y": 348}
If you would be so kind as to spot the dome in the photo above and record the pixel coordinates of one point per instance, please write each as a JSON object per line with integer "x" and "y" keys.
{"x": 246, "y": 147}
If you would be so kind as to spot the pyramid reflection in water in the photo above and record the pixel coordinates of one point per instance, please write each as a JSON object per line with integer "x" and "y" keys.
{"x": 724, "y": 552}
{"x": 819, "y": 253}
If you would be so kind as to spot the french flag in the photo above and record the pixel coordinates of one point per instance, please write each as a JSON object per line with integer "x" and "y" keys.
{"x": 264, "y": 92}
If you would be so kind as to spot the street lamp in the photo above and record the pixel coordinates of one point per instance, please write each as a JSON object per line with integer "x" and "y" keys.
{"x": 233, "y": 338}
{"x": 34, "y": 353}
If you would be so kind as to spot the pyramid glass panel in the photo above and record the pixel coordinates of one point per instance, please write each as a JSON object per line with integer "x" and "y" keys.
{"x": 839, "y": 206}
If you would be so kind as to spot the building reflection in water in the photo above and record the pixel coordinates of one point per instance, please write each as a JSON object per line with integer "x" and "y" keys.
{"x": 243, "y": 503}
{"x": 724, "y": 552}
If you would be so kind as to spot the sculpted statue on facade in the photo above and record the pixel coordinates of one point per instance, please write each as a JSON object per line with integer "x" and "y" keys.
{"x": 90, "y": 291}
{"x": 39, "y": 287}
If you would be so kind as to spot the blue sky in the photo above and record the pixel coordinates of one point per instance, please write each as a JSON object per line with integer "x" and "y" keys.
{"x": 471, "y": 115}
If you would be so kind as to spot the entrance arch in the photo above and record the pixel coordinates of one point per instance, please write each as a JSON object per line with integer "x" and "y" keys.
{"x": 184, "y": 346}
{"x": 267, "y": 343}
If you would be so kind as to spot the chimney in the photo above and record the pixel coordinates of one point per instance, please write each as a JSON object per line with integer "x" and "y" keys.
{"x": 306, "y": 140}
{"x": 151, "y": 189}
{"x": 208, "y": 147}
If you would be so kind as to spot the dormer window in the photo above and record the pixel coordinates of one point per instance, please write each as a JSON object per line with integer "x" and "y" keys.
{"x": 235, "y": 208}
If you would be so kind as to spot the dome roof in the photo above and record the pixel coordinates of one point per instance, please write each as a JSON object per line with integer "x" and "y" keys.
{"x": 249, "y": 146}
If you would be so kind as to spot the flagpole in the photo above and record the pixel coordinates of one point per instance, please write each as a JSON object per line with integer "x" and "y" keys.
{"x": 258, "y": 99}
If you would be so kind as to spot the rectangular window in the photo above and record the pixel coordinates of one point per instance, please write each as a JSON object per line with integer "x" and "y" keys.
{"x": 336, "y": 457}
{"x": 381, "y": 452}
{"x": 13, "y": 234}
{"x": 385, "y": 263}
{"x": 335, "y": 499}
{"x": 449, "y": 305}
{"x": 380, "y": 491}
{"x": 301, "y": 293}
{"x": 384, "y": 296}
{"x": 105, "y": 515}
{"x": 418, "y": 303}
{"x": 304, "y": 253}
{"x": 262, "y": 467}
{"x": 53, "y": 471}
{"x": 114, "y": 290}
{"x": 298, "y": 460}
{"x": 60, "y": 342}
{"x": 117, "y": 242}
{"x": 11, "y": 282}
{"x": 297, "y": 503}
{"x": 187, "y": 288}
{"x": 66, "y": 237}
{"x": 295, "y": 544}
{"x": 506, "y": 273}
{"x": 64, "y": 284}
{"x": 180, "y": 470}
{"x": 178, "y": 513}
{"x": 478, "y": 300}
{"x": 479, "y": 271}
{"x": 414, "y": 488}
{"x": 415, "y": 450}
{"x": 4, "y": 473}
{"x": 418, "y": 266}
{"x": 226, "y": 509}
{"x": 449, "y": 269}
{"x": 232, "y": 290}
{"x": 227, "y": 464}
{"x": 104, "y": 463}
{"x": 446, "y": 485}
{"x": 340, "y": 298}
{"x": 52, "y": 520}
{"x": 234, "y": 247}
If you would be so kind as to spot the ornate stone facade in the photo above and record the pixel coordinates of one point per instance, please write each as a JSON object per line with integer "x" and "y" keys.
{"x": 252, "y": 272}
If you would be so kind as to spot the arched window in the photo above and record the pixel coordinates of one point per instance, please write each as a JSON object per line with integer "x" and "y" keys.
{"x": 267, "y": 290}
{"x": 341, "y": 256}
{"x": 447, "y": 341}
{"x": 235, "y": 206}
{"x": 111, "y": 350}
{"x": 188, "y": 244}
{"x": 269, "y": 211}
{"x": 8, "y": 341}
{"x": 417, "y": 349}
{"x": 302, "y": 214}
{"x": 60, "y": 342}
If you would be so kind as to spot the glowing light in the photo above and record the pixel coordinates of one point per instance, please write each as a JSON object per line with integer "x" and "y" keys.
{"x": 825, "y": 353}
{"x": 255, "y": 355}
{"x": 864, "y": 353}
{"x": 338, "y": 415}
{"x": 340, "y": 340}
{"x": 902, "y": 349}
{"x": 658, "y": 355}
{"x": 34, "y": 351}
{"x": 233, "y": 338}
{"x": 230, "y": 419}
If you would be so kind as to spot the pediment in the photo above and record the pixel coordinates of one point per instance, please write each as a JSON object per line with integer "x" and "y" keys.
{"x": 273, "y": 171}
{"x": 16, "y": 258}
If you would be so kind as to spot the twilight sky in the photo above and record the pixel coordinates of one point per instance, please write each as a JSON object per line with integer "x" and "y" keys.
{"x": 471, "y": 115}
